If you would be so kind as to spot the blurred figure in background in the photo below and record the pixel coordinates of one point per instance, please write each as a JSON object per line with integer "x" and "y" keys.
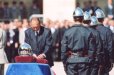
{"x": 1, "y": 25}
{"x": 7, "y": 11}
{"x": 111, "y": 23}
{"x": 95, "y": 5}
{"x": 66, "y": 24}
{"x": 23, "y": 10}
{"x": 54, "y": 37}
{"x": 51, "y": 26}
{"x": 59, "y": 35}
{"x": 90, "y": 7}
{"x": 25, "y": 26}
{"x": 77, "y": 4}
{"x": 13, "y": 40}
{"x": 109, "y": 9}
{"x": 18, "y": 24}
{"x": 48, "y": 23}
{"x": 15, "y": 13}
{"x": 1, "y": 11}
{"x": 34, "y": 9}
{"x": 3, "y": 57}
{"x": 25, "y": 23}
{"x": 106, "y": 22}
{"x": 8, "y": 47}
{"x": 86, "y": 6}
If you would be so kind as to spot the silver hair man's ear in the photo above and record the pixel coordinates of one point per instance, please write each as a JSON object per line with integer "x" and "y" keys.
{"x": 87, "y": 16}
{"x": 94, "y": 21}
{"x": 25, "y": 50}
{"x": 99, "y": 13}
{"x": 78, "y": 12}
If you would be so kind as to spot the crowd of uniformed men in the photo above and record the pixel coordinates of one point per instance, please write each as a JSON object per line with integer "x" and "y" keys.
{"x": 87, "y": 45}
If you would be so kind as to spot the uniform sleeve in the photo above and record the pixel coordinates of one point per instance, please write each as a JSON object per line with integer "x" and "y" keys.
{"x": 99, "y": 44}
{"x": 48, "y": 42}
{"x": 99, "y": 50}
{"x": 109, "y": 43}
{"x": 91, "y": 41}
{"x": 64, "y": 48}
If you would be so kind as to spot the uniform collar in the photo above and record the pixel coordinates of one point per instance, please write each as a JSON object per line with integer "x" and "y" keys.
{"x": 77, "y": 25}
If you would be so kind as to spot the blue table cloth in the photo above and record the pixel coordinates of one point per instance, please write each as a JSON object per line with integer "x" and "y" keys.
{"x": 28, "y": 69}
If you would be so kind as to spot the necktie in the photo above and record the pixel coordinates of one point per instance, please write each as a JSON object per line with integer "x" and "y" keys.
{"x": 36, "y": 35}
{"x": 37, "y": 42}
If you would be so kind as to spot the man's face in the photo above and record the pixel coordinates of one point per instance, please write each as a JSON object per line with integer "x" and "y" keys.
{"x": 17, "y": 23}
{"x": 5, "y": 26}
{"x": 35, "y": 24}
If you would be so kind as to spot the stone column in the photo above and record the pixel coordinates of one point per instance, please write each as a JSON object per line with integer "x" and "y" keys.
{"x": 58, "y": 9}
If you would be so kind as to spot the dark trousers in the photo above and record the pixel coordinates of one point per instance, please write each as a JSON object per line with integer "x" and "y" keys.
{"x": 78, "y": 69}
{"x": 11, "y": 52}
{"x": 104, "y": 72}
{"x": 94, "y": 69}
{"x": 1, "y": 69}
{"x": 106, "y": 68}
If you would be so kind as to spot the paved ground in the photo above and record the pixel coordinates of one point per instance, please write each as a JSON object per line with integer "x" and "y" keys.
{"x": 58, "y": 68}
{"x": 112, "y": 71}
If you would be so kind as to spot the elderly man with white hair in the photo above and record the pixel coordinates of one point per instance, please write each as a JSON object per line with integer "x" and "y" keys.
{"x": 40, "y": 39}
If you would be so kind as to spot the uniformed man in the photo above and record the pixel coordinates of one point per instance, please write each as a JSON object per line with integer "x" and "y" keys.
{"x": 99, "y": 51}
{"x": 91, "y": 23}
{"x": 106, "y": 36}
{"x": 76, "y": 44}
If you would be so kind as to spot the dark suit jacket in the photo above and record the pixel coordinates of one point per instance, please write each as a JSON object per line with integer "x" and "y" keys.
{"x": 15, "y": 37}
{"x": 11, "y": 51}
{"x": 43, "y": 43}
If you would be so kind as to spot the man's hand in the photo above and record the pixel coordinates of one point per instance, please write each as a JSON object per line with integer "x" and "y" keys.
{"x": 57, "y": 44}
{"x": 16, "y": 45}
{"x": 35, "y": 56}
{"x": 8, "y": 44}
{"x": 41, "y": 56}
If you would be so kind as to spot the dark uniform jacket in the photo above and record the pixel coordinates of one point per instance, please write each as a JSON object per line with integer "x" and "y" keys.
{"x": 77, "y": 38}
{"x": 41, "y": 44}
{"x": 97, "y": 45}
{"x": 106, "y": 36}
